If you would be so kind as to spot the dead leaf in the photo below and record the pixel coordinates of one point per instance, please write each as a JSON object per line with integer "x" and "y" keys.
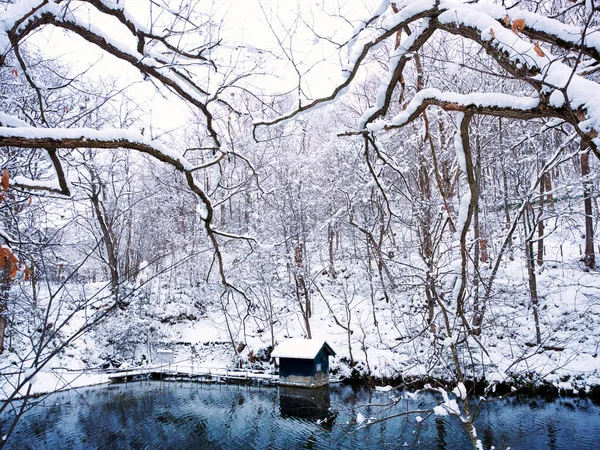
{"x": 14, "y": 72}
{"x": 27, "y": 273}
{"x": 483, "y": 248}
{"x": 518, "y": 25}
{"x": 30, "y": 201}
{"x": 506, "y": 20}
{"x": 492, "y": 33}
{"x": 9, "y": 260}
{"x": 11, "y": 257}
{"x": 5, "y": 179}
{"x": 538, "y": 50}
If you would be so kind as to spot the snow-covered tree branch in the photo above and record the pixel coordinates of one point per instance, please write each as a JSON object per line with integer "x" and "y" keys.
{"x": 510, "y": 36}
{"x": 172, "y": 48}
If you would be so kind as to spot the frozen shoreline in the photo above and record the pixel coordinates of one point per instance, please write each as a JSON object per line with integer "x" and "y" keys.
{"x": 51, "y": 381}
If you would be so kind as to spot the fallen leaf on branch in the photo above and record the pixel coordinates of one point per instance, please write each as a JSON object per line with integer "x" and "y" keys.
{"x": 5, "y": 179}
{"x": 538, "y": 49}
{"x": 518, "y": 25}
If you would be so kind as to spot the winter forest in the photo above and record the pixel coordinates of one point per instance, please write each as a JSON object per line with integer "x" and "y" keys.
{"x": 414, "y": 181}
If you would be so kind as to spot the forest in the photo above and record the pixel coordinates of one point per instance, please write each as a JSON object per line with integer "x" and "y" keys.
{"x": 414, "y": 181}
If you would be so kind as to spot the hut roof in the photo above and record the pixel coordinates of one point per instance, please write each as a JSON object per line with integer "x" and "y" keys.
{"x": 301, "y": 348}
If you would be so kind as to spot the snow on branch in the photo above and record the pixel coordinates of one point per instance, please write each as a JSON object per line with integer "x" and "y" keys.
{"x": 493, "y": 104}
{"x": 55, "y": 138}
{"x": 549, "y": 30}
{"x": 11, "y": 121}
{"x": 510, "y": 37}
{"x": 563, "y": 93}
{"x": 401, "y": 55}
{"x": 36, "y": 185}
{"x": 161, "y": 64}
{"x": 358, "y": 51}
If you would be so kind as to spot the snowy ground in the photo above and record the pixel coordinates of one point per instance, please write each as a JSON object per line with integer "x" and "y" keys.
{"x": 568, "y": 356}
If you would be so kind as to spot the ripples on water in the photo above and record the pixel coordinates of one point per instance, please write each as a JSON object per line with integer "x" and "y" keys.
{"x": 167, "y": 415}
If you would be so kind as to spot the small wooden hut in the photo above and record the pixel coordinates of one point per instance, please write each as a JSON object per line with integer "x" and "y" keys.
{"x": 303, "y": 362}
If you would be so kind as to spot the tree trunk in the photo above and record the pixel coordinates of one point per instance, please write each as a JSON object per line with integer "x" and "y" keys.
{"x": 589, "y": 257}
{"x": 109, "y": 240}
{"x": 504, "y": 180}
{"x": 540, "y": 224}
{"x": 424, "y": 185}
{"x": 532, "y": 281}
{"x": 5, "y": 284}
{"x": 331, "y": 240}
{"x": 548, "y": 189}
{"x": 302, "y": 294}
{"x": 467, "y": 168}
{"x": 476, "y": 322}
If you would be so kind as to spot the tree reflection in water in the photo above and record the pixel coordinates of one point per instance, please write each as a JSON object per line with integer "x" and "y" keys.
{"x": 200, "y": 416}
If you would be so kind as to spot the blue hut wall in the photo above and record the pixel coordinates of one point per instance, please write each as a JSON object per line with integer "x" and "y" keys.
{"x": 322, "y": 359}
{"x": 293, "y": 366}
{"x": 304, "y": 367}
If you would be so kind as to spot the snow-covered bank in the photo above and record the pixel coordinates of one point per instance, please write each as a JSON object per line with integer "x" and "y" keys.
{"x": 56, "y": 380}
{"x": 376, "y": 341}
{"x": 52, "y": 380}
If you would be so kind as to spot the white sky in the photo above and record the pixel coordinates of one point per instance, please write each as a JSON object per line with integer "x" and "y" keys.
{"x": 246, "y": 24}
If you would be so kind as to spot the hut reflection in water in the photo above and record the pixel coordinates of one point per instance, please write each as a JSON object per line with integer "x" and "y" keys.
{"x": 307, "y": 403}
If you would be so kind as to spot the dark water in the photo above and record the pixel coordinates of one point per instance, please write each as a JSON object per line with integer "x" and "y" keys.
{"x": 168, "y": 415}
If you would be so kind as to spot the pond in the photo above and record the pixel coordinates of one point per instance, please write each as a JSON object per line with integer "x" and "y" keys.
{"x": 185, "y": 415}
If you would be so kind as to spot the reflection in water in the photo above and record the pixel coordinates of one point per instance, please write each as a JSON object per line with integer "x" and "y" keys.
{"x": 441, "y": 433}
{"x": 169, "y": 415}
{"x": 309, "y": 404}
{"x": 488, "y": 437}
{"x": 551, "y": 437}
